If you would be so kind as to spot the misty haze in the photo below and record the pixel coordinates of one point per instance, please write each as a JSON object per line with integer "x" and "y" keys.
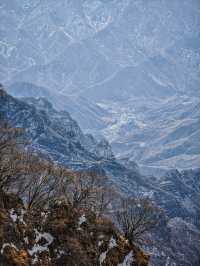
{"x": 100, "y": 129}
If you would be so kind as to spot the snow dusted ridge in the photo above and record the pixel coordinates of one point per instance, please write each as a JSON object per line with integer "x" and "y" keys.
{"x": 160, "y": 133}
{"x": 73, "y": 148}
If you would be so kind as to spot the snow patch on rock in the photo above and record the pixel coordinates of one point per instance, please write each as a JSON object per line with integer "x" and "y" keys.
{"x": 128, "y": 260}
{"x": 40, "y": 248}
{"x": 14, "y": 216}
{"x": 82, "y": 220}
{"x": 8, "y": 245}
{"x": 112, "y": 244}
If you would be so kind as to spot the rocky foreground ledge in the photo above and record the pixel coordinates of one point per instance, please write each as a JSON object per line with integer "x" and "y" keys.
{"x": 61, "y": 235}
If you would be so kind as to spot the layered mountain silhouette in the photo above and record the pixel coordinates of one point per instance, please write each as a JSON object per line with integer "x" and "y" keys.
{"x": 56, "y": 135}
{"x": 125, "y": 56}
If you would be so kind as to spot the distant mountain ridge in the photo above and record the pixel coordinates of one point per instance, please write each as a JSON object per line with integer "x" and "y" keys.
{"x": 137, "y": 59}
{"x": 57, "y": 135}
{"x": 54, "y": 132}
{"x": 160, "y": 133}
{"x": 80, "y": 46}
{"x": 127, "y": 71}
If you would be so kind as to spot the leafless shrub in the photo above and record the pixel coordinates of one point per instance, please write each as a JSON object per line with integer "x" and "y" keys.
{"x": 44, "y": 181}
{"x": 104, "y": 201}
{"x": 38, "y": 181}
{"x": 34, "y": 179}
{"x": 137, "y": 217}
{"x": 87, "y": 191}
{"x": 82, "y": 191}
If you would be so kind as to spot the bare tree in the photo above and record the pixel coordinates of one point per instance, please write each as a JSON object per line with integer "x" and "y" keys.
{"x": 38, "y": 181}
{"x": 44, "y": 182}
{"x": 11, "y": 158}
{"x": 104, "y": 199}
{"x": 88, "y": 191}
{"x": 34, "y": 179}
{"x": 82, "y": 191}
{"x": 136, "y": 217}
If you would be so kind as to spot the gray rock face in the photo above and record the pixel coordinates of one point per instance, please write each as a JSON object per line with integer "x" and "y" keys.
{"x": 187, "y": 245}
{"x": 54, "y": 132}
{"x": 104, "y": 149}
{"x": 178, "y": 194}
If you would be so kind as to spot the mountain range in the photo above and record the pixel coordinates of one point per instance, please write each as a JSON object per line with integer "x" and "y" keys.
{"x": 113, "y": 86}
{"x": 55, "y": 135}
{"x": 115, "y": 66}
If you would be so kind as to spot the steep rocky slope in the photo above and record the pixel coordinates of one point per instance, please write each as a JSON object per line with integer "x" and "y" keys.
{"x": 159, "y": 133}
{"x": 176, "y": 192}
{"x": 54, "y": 133}
{"x": 60, "y": 235}
{"x": 88, "y": 114}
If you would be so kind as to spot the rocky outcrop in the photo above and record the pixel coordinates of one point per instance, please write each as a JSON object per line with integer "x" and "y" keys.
{"x": 54, "y": 132}
{"x": 104, "y": 150}
{"x": 61, "y": 235}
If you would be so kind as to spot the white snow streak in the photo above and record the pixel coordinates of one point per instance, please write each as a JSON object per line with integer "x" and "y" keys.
{"x": 111, "y": 245}
{"x": 82, "y": 220}
{"x": 39, "y": 248}
{"x": 128, "y": 260}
